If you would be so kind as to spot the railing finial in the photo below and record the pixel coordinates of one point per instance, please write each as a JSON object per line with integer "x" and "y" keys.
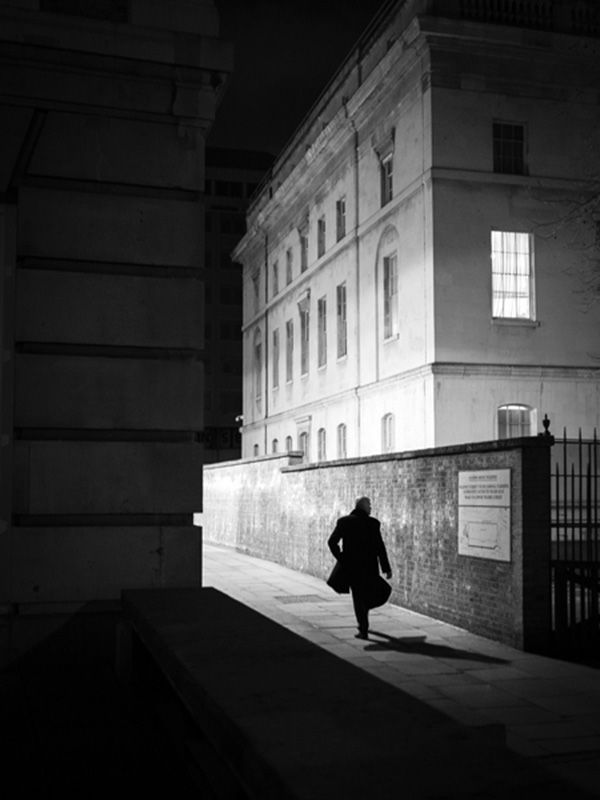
{"x": 546, "y": 424}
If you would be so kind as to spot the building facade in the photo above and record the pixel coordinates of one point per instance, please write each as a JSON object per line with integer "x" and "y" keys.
{"x": 232, "y": 176}
{"x": 105, "y": 111}
{"x": 415, "y": 269}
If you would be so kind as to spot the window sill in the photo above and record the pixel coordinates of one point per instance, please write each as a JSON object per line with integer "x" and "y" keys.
{"x": 516, "y": 322}
{"x": 342, "y": 358}
{"x": 322, "y": 367}
{"x": 393, "y": 338}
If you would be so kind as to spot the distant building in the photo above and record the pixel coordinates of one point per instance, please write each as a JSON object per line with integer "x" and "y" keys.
{"x": 413, "y": 271}
{"x": 232, "y": 176}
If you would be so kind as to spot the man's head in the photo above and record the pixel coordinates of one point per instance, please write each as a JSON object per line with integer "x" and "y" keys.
{"x": 363, "y": 504}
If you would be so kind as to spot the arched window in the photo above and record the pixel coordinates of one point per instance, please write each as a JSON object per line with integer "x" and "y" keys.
{"x": 322, "y": 444}
{"x": 341, "y": 440}
{"x": 255, "y": 450}
{"x": 515, "y": 420}
{"x": 303, "y": 444}
{"x": 387, "y": 433}
{"x": 257, "y": 364}
{"x": 275, "y": 446}
{"x": 289, "y": 446}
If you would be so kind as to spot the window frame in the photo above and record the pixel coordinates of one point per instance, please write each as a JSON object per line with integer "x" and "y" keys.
{"x": 506, "y": 159}
{"x": 342, "y": 440}
{"x": 340, "y": 218}
{"x": 386, "y": 178}
{"x": 275, "y": 274}
{"x": 390, "y": 296}
{"x": 322, "y": 331}
{"x": 304, "y": 341}
{"x": 303, "y": 252}
{"x": 322, "y": 444}
{"x": 289, "y": 351}
{"x": 501, "y": 276}
{"x": 506, "y": 426}
{"x": 341, "y": 319}
{"x": 289, "y": 266}
{"x": 275, "y": 359}
{"x": 388, "y": 433}
{"x": 321, "y": 236}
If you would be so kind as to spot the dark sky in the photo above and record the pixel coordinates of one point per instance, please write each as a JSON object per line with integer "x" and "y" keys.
{"x": 285, "y": 53}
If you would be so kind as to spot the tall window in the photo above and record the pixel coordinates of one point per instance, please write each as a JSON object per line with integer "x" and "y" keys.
{"x": 276, "y": 358}
{"x": 303, "y": 444}
{"x": 288, "y": 265}
{"x": 341, "y": 440}
{"x": 390, "y": 296}
{"x": 303, "y": 252}
{"x": 275, "y": 446}
{"x": 342, "y": 333}
{"x": 509, "y": 148}
{"x": 255, "y": 278}
{"x": 322, "y": 444}
{"x": 322, "y": 330}
{"x": 515, "y": 421}
{"x": 512, "y": 275}
{"x": 255, "y": 450}
{"x": 386, "y": 175}
{"x": 304, "y": 340}
{"x": 257, "y": 364}
{"x": 320, "y": 237}
{"x": 275, "y": 278}
{"x": 340, "y": 218}
{"x": 289, "y": 350}
{"x": 387, "y": 433}
{"x": 288, "y": 444}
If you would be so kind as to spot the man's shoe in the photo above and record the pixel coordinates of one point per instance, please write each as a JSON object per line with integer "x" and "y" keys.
{"x": 361, "y": 635}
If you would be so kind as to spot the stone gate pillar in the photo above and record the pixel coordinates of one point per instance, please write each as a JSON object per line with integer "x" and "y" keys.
{"x": 104, "y": 110}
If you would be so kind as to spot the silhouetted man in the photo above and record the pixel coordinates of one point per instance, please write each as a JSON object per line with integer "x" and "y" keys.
{"x": 363, "y": 552}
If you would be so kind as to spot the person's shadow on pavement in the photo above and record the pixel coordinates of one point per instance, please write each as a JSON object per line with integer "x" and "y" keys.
{"x": 419, "y": 645}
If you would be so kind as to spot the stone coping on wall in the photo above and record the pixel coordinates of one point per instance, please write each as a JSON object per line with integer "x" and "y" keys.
{"x": 296, "y": 465}
{"x": 497, "y": 445}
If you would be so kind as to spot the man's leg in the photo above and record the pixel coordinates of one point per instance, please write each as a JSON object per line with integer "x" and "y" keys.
{"x": 360, "y": 609}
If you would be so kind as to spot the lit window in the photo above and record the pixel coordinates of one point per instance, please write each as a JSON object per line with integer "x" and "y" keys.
{"x": 255, "y": 450}
{"x": 303, "y": 444}
{"x": 275, "y": 446}
{"x": 289, "y": 350}
{"x": 509, "y": 148}
{"x": 341, "y": 440}
{"x": 276, "y": 358}
{"x": 340, "y": 218}
{"x": 275, "y": 278}
{"x": 288, "y": 266}
{"x": 386, "y": 174}
{"x": 515, "y": 421}
{"x": 342, "y": 332}
{"x": 390, "y": 296}
{"x": 387, "y": 433}
{"x": 303, "y": 252}
{"x": 320, "y": 237}
{"x": 257, "y": 365}
{"x": 255, "y": 279}
{"x": 288, "y": 444}
{"x": 512, "y": 275}
{"x": 322, "y": 331}
{"x": 322, "y": 444}
{"x": 304, "y": 340}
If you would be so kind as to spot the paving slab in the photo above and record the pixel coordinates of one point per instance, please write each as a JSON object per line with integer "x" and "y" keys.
{"x": 516, "y": 689}
{"x": 294, "y": 721}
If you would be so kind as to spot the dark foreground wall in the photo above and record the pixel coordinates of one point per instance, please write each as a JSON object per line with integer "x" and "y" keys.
{"x": 104, "y": 110}
{"x": 279, "y": 509}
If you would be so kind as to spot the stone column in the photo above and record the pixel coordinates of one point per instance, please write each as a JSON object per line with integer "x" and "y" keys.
{"x": 104, "y": 108}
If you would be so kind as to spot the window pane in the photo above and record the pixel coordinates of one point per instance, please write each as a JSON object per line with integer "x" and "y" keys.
{"x": 512, "y": 275}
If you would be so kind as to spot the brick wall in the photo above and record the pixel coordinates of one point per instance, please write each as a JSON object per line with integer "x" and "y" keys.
{"x": 279, "y": 509}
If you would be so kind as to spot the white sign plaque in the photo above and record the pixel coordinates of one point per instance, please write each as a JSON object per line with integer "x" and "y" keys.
{"x": 484, "y": 514}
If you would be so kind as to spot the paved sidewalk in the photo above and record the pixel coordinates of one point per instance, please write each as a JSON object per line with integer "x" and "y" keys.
{"x": 550, "y": 708}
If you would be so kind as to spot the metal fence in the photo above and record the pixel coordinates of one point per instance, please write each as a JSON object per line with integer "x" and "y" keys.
{"x": 575, "y": 544}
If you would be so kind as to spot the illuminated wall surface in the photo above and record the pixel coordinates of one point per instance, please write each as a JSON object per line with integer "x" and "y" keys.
{"x": 479, "y": 124}
{"x": 105, "y": 108}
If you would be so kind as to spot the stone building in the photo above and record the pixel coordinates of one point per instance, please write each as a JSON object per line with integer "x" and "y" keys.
{"x": 415, "y": 269}
{"x": 232, "y": 176}
{"x": 105, "y": 109}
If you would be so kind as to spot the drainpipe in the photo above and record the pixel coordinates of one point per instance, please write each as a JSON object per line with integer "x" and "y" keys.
{"x": 357, "y": 267}
{"x": 266, "y": 298}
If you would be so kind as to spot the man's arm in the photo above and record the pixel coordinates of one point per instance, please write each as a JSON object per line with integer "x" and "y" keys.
{"x": 334, "y": 539}
{"x": 382, "y": 555}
